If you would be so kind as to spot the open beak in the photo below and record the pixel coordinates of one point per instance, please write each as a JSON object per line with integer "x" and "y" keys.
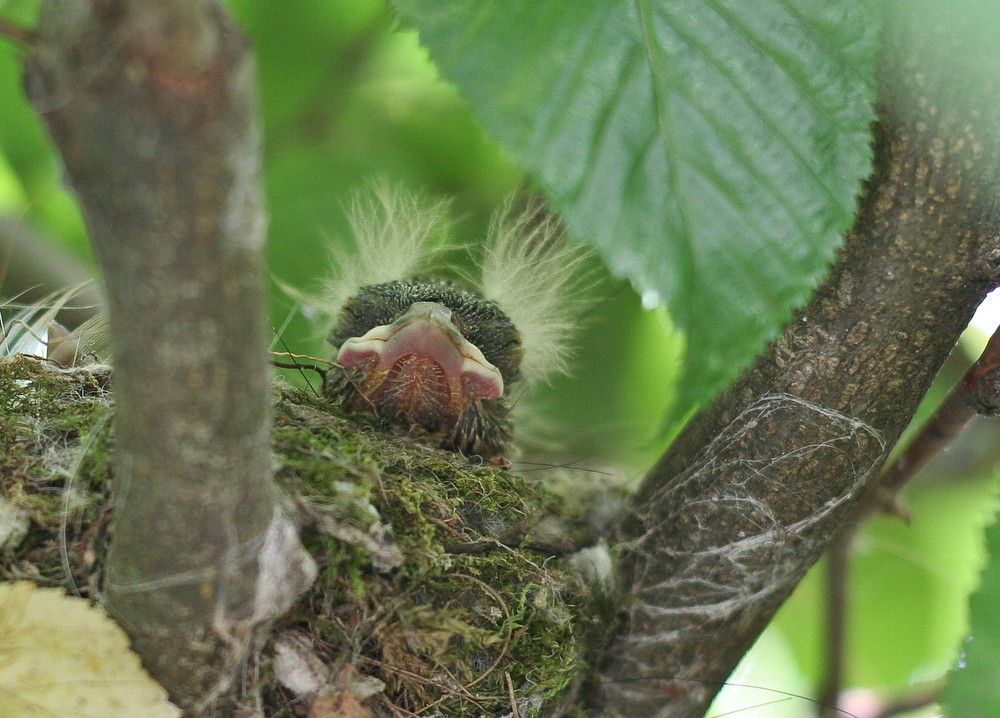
{"x": 420, "y": 368}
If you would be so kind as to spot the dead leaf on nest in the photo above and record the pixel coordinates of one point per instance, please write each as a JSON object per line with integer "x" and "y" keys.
{"x": 63, "y": 656}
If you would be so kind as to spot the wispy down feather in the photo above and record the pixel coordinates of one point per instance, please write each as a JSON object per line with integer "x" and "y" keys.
{"x": 527, "y": 267}
{"x": 33, "y": 329}
{"x": 396, "y": 235}
{"x": 532, "y": 272}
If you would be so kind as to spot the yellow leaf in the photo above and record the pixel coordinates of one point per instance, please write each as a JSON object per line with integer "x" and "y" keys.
{"x": 62, "y": 657}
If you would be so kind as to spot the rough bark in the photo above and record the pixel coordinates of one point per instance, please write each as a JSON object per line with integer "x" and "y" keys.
{"x": 757, "y": 485}
{"x": 153, "y": 108}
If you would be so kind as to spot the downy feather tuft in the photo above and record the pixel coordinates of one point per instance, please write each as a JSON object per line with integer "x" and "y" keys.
{"x": 527, "y": 267}
{"x": 396, "y": 235}
{"x": 532, "y": 272}
{"x": 33, "y": 329}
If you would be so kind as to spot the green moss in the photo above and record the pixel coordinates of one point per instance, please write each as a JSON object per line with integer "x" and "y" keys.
{"x": 430, "y": 575}
{"x": 468, "y": 608}
{"x": 46, "y": 415}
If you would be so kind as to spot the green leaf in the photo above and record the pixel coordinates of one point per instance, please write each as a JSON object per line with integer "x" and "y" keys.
{"x": 973, "y": 689}
{"x": 711, "y": 150}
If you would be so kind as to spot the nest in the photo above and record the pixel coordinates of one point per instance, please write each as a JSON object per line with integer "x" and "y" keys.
{"x": 442, "y": 589}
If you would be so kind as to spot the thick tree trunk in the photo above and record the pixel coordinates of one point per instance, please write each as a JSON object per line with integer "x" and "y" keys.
{"x": 153, "y": 107}
{"x": 753, "y": 490}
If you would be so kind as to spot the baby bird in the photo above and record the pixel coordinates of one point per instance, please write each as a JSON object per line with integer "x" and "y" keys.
{"x": 444, "y": 356}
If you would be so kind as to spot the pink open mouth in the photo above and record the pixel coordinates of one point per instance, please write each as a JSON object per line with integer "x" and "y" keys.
{"x": 420, "y": 367}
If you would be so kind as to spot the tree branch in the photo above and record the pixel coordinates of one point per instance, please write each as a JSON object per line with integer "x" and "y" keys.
{"x": 152, "y": 105}
{"x": 977, "y": 394}
{"x": 32, "y": 266}
{"x": 837, "y": 578}
{"x": 756, "y": 486}
{"x": 16, "y": 33}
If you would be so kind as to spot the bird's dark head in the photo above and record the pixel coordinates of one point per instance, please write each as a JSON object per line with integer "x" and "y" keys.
{"x": 427, "y": 353}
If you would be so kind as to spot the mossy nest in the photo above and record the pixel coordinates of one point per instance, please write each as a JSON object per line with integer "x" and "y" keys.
{"x": 442, "y": 589}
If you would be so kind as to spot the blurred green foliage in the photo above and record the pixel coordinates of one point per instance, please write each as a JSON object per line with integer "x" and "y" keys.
{"x": 29, "y": 169}
{"x": 974, "y": 687}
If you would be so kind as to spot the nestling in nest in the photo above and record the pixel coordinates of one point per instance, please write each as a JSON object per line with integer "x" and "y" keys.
{"x": 442, "y": 355}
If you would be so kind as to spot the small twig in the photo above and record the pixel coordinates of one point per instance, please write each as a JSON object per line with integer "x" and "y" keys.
{"x": 515, "y": 713}
{"x": 909, "y": 704}
{"x": 17, "y": 33}
{"x": 837, "y": 573}
{"x": 307, "y": 356}
{"x": 296, "y": 365}
{"x": 977, "y": 394}
{"x": 301, "y": 367}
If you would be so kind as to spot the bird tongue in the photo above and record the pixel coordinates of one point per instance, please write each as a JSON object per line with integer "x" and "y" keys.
{"x": 422, "y": 364}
